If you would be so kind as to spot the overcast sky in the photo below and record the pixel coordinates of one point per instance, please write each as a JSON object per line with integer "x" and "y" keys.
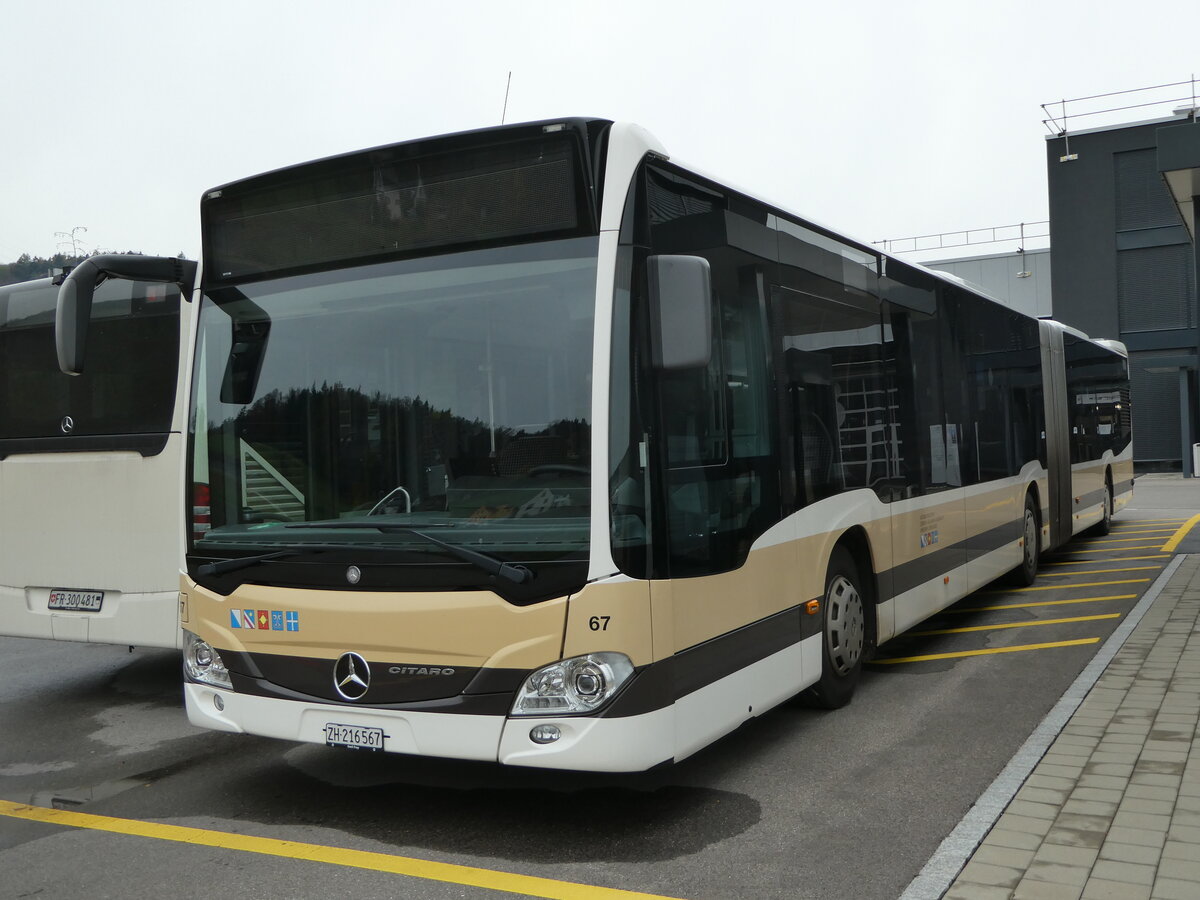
{"x": 881, "y": 119}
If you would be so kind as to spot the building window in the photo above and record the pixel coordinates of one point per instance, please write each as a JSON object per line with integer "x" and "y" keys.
{"x": 1154, "y": 288}
{"x": 1143, "y": 201}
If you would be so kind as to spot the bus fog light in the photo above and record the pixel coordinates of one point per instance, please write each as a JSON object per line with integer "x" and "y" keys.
{"x": 544, "y": 734}
{"x": 202, "y": 663}
{"x": 577, "y": 685}
{"x": 219, "y": 702}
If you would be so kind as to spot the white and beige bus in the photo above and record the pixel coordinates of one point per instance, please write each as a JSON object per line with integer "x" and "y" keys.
{"x": 533, "y": 445}
{"x": 90, "y": 466}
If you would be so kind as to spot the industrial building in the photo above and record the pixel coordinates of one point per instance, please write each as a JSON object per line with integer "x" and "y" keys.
{"x": 1124, "y": 265}
{"x": 1121, "y": 264}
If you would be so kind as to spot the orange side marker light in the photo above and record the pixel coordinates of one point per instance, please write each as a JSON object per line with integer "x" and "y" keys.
{"x": 812, "y": 607}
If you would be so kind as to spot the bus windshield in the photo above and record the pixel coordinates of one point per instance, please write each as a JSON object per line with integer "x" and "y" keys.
{"x": 447, "y": 394}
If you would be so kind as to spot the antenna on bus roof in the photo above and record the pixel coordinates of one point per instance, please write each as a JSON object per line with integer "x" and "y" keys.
{"x": 504, "y": 112}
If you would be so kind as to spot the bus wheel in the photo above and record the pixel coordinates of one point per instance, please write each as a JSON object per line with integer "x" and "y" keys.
{"x": 1031, "y": 545}
{"x": 843, "y": 633}
{"x": 1104, "y": 526}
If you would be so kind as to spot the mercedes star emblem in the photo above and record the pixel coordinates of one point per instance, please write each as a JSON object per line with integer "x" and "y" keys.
{"x": 67, "y": 424}
{"x": 351, "y": 676}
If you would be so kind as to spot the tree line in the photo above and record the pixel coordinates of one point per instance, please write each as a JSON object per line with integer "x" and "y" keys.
{"x": 28, "y": 267}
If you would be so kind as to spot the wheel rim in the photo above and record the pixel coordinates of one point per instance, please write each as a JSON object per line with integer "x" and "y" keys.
{"x": 1107, "y": 505}
{"x": 1031, "y": 537}
{"x": 844, "y": 624}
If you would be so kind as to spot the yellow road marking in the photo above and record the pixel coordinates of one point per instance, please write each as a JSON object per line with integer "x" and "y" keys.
{"x": 1059, "y": 587}
{"x": 1111, "y": 549}
{"x": 1097, "y": 571}
{"x": 1144, "y": 523}
{"x": 1014, "y": 625}
{"x": 1169, "y": 546}
{"x": 975, "y": 609}
{"x": 1088, "y": 562}
{"x": 1165, "y": 530}
{"x": 357, "y": 859}
{"x": 1132, "y": 540}
{"x": 1124, "y": 524}
{"x": 961, "y": 653}
{"x": 1147, "y": 523}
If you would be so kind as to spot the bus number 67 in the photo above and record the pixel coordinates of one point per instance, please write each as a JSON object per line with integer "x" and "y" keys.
{"x": 599, "y": 623}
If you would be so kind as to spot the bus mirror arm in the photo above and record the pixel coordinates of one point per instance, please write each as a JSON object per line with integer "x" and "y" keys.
{"x": 681, "y": 306}
{"x": 246, "y": 351}
{"x": 74, "y": 309}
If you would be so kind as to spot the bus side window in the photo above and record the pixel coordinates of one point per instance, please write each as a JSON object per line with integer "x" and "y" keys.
{"x": 929, "y": 417}
{"x": 1004, "y": 368}
{"x": 721, "y": 472}
{"x": 836, "y": 395}
{"x": 921, "y": 415}
{"x": 1081, "y": 398}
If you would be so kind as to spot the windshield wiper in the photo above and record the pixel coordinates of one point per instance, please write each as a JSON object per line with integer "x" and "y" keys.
{"x": 242, "y": 562}
{"x": 517, "y": 574}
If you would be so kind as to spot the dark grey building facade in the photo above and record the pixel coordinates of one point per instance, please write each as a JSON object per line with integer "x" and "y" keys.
{"x": 1124, "y": 267}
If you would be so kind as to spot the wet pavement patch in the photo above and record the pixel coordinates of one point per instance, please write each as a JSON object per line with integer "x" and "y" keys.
{"x": 496, "y": 812}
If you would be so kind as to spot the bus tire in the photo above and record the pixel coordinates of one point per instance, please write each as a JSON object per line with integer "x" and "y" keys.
{"x": 843, "y": 632}
{"x": 1031, "y": 545}
{"x": 1104, "y": 526}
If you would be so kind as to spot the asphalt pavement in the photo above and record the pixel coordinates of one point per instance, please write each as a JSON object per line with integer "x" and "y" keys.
{"x": 918, "y": 788}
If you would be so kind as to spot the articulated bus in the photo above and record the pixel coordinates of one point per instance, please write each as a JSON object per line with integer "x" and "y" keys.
{"x": 533, "y": 445}
{"x": 90, "y": 466}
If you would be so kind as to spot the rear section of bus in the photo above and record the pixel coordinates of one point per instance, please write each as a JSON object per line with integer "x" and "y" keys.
{"x": 90, "y": 497}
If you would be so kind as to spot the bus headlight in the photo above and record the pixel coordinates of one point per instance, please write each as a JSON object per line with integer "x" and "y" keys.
{"x": 202, "y": 663}
{"x": 577, "y": 685}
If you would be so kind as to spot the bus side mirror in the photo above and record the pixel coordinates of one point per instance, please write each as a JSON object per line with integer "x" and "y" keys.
{"x": 74, "y": 309}
{"x": 71, "y": 316}
{"x": 680, "y": 311}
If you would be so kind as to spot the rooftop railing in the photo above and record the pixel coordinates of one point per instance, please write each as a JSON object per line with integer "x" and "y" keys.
{"x": 1178, "y": 98}
{"x": 1026, "y": 236}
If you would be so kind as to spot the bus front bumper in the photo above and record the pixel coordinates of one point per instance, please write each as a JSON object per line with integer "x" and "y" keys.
{"x": 136, "y": 619}
{"x": 619, "y": 744}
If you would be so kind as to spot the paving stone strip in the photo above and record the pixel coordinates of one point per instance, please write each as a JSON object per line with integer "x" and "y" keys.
{"x": 1112, "y": 810}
